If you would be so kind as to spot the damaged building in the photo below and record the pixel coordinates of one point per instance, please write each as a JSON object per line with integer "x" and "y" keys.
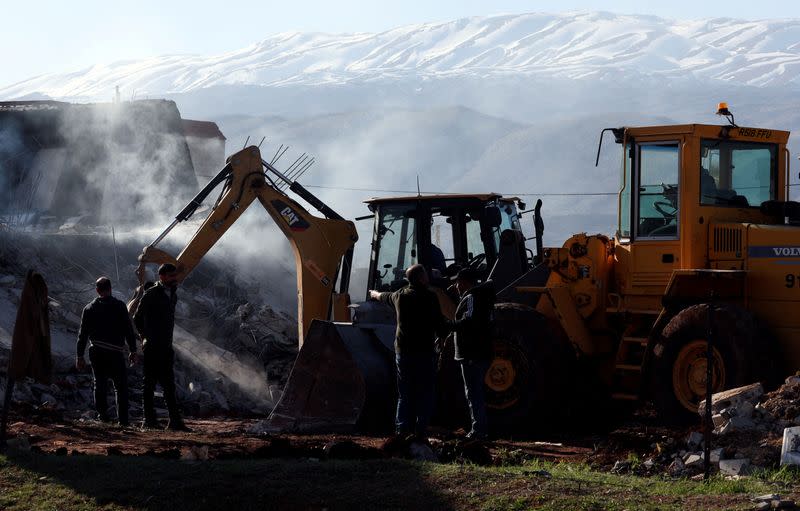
{"x": 64, "y": 165}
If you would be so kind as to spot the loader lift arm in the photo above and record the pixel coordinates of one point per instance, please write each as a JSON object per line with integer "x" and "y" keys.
{"x": 322, "y": 246}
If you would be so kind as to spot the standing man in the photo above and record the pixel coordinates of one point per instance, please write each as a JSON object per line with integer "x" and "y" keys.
{"x": 419, "y": 320}
{"x": 473, "y": 349}
{"x": 155, "y": 320}
{"x": 106, "y": 325}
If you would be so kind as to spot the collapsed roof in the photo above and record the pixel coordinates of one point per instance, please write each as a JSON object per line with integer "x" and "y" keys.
{"x": 115, "y": 162}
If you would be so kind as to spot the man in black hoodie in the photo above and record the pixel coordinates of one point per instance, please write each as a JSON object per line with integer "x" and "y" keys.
{"x": 473, "y": 349}
{"x": 106, "y": 326}
{"x": 155, "y": 320}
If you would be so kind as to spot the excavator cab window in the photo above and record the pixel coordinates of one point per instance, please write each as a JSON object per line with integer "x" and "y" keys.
{"x": 396, "y": 246}
{"x": 737, "y": 174}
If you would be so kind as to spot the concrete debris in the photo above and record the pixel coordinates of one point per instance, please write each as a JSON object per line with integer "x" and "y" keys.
{"x": 694, "y": 441}
{"x": 233, "y": 351}
{"x": 734, "y": 467}
{"x": 694, "y": 461}
{"x": 767, "y": 498}
{"x": 621, "y": 467}
{"x": 761, "y": 506}
{"x": 732, "y": 398}
{"x": 790, "y": 450}
{"x": 676, "y": 468}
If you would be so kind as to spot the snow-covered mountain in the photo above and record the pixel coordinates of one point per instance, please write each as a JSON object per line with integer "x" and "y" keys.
{"x": 575, "y": 46}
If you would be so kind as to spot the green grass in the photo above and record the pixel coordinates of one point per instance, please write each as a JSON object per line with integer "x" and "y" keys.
{"x": 33, "y": 481}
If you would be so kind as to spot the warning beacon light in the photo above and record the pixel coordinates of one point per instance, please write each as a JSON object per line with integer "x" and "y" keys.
{"x": 722, "y": 109}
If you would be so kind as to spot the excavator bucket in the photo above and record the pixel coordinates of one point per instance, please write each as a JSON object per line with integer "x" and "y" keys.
{"x": 343, "y": 379}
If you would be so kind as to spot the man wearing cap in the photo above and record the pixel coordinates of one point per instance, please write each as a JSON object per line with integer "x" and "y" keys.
{"x": 155, "y": 320}
{"x": 106, "y": 326}
{"x": 473, "y": 348}
{"x": 419, "y": 320}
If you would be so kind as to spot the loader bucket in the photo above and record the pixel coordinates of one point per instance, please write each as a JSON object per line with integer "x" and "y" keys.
{"x": 343, "y": 379}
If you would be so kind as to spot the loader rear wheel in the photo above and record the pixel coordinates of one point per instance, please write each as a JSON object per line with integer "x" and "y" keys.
{"x": 522, "y": 383}
{"x": 680, "y": 363}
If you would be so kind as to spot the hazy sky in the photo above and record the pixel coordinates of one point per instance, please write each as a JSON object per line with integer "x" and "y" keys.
{"x": 57, "y": 36}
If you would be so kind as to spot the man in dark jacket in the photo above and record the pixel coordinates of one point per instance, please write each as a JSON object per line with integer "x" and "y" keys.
{"x": 419, "y": 320}
{"x": 155, "y": 320}
{"x": 106, "y": 326}
{"x": 473, "y": 349}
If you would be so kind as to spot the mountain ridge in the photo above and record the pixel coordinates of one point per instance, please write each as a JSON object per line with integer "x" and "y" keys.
{"x": 578, "y": 46}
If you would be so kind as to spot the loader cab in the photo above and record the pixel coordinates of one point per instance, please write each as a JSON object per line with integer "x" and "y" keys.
{"x": 677, "y": 182}
{"x": 444, "y": 233}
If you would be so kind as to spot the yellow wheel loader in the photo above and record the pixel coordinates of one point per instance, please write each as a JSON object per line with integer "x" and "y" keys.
{"x": 707, "y": 241}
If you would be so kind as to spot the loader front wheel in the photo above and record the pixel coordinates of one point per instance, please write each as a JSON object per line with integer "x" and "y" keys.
{"x": 522, "y": 383}
{"x": 680, "y": 360}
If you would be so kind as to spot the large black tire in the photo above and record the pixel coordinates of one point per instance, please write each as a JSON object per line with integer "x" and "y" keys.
{"x": 678, "y": 382}
{"x": 529, "y": 373}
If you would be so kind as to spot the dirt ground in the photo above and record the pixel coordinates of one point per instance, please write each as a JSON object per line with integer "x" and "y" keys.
{"x": 224, "y": 438}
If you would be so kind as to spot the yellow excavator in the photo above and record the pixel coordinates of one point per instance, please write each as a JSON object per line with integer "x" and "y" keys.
{"x": 344, "y": 373}
{"x": 707, "y": 241}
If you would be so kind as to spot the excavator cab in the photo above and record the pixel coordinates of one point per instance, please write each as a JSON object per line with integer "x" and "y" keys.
{"x": 445, "y": 233}
{"x": 344, "y": 375}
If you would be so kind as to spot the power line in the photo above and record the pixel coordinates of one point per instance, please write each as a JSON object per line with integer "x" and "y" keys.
{"x": 414, "y": 192}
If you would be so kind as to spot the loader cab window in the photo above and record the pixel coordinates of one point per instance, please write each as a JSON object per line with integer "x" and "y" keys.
{"x": 508, "y": 220}
{"x": 624, "y": 230}
{"x": 657, "y": 185}
{"x": 396, "y": 246}
{"x": 442, "y": 251}
{"x": 737, "y": 174}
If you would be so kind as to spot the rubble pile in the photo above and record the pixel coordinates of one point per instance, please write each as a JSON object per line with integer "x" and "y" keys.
{"x": 748, "y": 435}
{"x": 233, "y": 350}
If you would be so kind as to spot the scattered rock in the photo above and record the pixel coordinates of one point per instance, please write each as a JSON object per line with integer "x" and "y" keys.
{"x": 790, "y": 450}
{"x": 732, "y": 397}
{"x": 693, "y": 461}
{"x": 761, "y": 506}
{"x": 694, "y": 441}
{"x": 716, "y": 455}
{"x": 734, "y": 467}
{"x": 7, "y": 280}
{"x": 769, "y": 497}
{"x": 676, "y": 468}
{"x": 621, "y": 467}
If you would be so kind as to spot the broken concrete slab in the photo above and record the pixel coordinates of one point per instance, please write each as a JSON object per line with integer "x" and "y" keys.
{"x": 790, "y": 450}
{"x": 734, "y": 467}
{"x": 693, "y": 461}
{"x": 732, "y": 397}
{"x": 694, "y": 440}
{"x": 769, "y": 497}
{"x": 716, "y": 455}
{"x": 745, "y": 409}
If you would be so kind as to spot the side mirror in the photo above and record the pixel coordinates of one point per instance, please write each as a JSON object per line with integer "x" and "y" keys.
{"x": 492, "y": 216}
